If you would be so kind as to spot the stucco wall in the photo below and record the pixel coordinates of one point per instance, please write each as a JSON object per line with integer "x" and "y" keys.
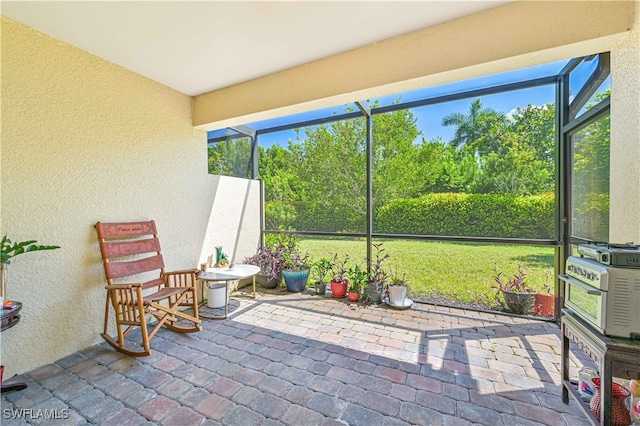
{"x": 233, "y": 221}
{"x": 625, "y": 137}
{"x": 84, "y": 140}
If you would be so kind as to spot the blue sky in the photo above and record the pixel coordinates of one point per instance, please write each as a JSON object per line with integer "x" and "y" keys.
{"x": 430, "y": 117}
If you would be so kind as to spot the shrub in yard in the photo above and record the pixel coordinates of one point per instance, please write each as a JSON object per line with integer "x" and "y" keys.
{"x": 475, "y": 215}
{"x": 316, "y": 216}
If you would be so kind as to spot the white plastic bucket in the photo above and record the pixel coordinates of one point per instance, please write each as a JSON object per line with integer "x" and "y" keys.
{"x": 215, "y": 294}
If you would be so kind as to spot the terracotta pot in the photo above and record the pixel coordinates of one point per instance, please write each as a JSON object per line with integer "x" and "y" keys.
{"x": 544, "y": 305}
{"x": 339, "y": 289}
{"x": 353, "y": 296}
{"x": 619, "y": 414}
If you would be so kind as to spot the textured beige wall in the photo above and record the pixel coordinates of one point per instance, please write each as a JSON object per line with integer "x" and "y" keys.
{"x": 84, "y": 140}
{"x": 515, "y": 35}
{"x": 239, "y": 232}
{"x": 233, "y": 222}
{"x": 625, "y": 137}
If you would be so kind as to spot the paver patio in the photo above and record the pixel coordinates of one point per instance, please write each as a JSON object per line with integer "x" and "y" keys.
{"x": 301, "y": 359}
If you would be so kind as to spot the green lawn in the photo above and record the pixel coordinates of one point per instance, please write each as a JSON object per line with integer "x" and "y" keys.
{"x": 461, "y": 272}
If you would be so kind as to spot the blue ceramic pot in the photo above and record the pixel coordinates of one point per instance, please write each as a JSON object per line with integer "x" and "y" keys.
{"x": 296, "y": 281}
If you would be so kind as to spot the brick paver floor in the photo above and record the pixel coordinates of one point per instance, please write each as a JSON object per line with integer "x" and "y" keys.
{"x": 302, "y": 359}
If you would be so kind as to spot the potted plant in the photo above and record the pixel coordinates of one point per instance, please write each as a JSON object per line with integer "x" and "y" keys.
{"x": 269, "y": 259}
{"x": 377, "y": 278}
{"x": 295, "y": 264}
{"x": 545, "y": 302}
{"x": 9, "y": 250}
{"x": 321, "y": 268}
{"x": 516, "y": 292}
{"x": 397, "y": 290}
{"x": 339, "y": 281}
{"x": 295, "y": 271}
{"x": 357, "y": 280}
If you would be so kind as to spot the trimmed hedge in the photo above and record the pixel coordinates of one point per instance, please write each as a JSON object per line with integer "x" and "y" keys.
{"x": 314, "y": 216}
{"x": 474, "y": 215}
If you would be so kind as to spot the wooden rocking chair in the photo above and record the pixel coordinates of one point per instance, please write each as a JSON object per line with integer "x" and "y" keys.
{"x": 132, "y": 248}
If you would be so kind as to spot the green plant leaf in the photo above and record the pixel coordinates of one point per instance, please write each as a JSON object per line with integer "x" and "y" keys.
{"x": 10, "y": 250}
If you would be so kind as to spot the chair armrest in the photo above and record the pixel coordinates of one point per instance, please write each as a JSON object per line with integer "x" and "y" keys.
{"x": 183, "y": 271}
{"x": 125, "y": 294}
{"x": 125, "y": 286}
{"x": 182, "y": 278}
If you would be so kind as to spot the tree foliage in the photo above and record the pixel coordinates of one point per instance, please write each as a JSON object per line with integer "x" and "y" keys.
{"x": 591, "y": 177}
{"x": 475, "y": 129}
{"x": 230, "y": 158}
{"x": 317, "y": 181}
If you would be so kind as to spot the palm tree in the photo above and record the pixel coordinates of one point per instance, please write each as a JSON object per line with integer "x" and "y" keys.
{"x": 472, "y": 129}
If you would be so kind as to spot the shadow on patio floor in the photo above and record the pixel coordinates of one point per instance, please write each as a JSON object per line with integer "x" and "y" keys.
{"x": 300, "y": 359}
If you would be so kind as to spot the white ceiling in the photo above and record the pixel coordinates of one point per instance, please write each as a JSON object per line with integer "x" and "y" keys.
{"x": 199, "y": 46}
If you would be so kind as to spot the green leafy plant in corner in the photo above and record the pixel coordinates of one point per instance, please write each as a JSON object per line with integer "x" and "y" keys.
{"x": 322, "y": 268}
{"x": 11, "y": 249}
{"x": 357, "y": 278}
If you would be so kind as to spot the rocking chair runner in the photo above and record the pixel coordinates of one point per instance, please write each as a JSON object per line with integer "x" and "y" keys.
{"x": 132, "y": 248}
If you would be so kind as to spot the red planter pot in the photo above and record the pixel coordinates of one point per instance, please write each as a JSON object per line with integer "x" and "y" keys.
{"x": 544, "y": 305}
{"x": 353, "y": 296}
{"x": 339, "y": 289}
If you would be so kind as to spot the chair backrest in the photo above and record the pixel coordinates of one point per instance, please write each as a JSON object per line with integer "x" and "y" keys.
{"x": 124, "y": 245}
